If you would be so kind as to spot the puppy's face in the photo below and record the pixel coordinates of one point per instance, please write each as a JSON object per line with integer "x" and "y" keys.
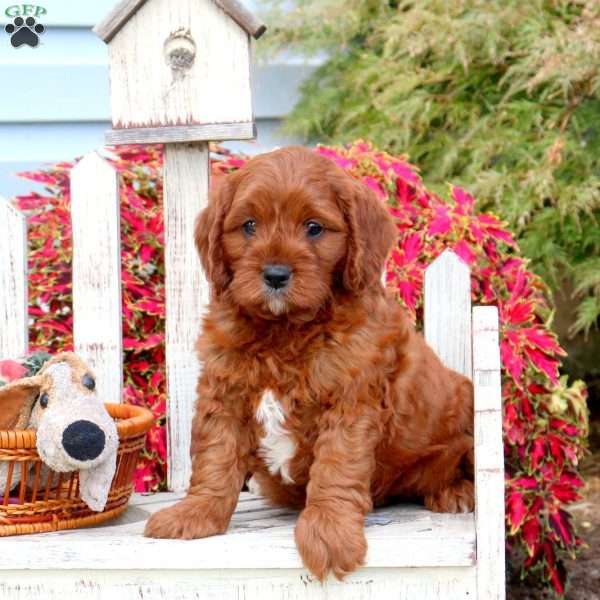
{"x": 287, "y": 230}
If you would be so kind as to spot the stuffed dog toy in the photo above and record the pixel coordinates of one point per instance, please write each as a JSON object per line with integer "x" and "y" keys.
{"x": 74, "y": 430}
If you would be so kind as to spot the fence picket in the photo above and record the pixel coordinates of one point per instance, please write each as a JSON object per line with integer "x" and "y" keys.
{"x": 447, "y": 313}
{"x": 489, "y": 455}
{"x": 13, "y": 282}
{"x": 97, "y": 310}
{"x": 185, "y": 194}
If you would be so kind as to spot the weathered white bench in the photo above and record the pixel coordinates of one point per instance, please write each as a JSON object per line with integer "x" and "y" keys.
{"x": 413, "y": 553}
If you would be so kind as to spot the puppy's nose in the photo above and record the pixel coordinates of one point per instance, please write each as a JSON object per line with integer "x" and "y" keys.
{"x": 277, "y": 276}
{"x": 83, "y": 440}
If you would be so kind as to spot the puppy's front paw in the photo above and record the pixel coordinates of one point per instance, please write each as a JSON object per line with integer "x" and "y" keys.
{"x": 186, "y": 520}
{"x": 331, "y": 541}
{"x": 458, "y": 497}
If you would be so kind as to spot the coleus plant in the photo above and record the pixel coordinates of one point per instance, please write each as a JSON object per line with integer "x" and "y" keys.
{"x": 545, "y": 418}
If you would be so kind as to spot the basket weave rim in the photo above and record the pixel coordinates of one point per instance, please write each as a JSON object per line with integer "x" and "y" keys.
{"x": 133, "y": 421}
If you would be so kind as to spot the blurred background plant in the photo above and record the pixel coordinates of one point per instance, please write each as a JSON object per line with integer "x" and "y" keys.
{"x": 500, "y": 96}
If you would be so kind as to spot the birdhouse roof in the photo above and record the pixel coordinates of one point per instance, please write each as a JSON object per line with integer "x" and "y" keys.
{"x": 124, "y": 10}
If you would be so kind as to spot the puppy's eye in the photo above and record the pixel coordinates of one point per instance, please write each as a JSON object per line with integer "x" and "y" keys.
{"x": 88, "y": 382}
{"x": 313, "y": 229}
{"x": 43, "y": 399}
{"x": 249, "y": 227}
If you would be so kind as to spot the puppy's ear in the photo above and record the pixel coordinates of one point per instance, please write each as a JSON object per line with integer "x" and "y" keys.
{"x": 16, "y": 402}
{"x": 209, "y": 233}
{"x": 371, "y": 234}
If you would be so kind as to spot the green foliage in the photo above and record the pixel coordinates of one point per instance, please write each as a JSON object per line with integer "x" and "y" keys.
{"x": 500, "y": 96}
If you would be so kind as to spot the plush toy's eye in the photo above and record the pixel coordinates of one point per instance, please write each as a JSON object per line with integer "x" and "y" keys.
{"x": 314, "y": 229}
{"x": 88, "y": 382}
{"x": 249, "y": 227}
{"x": 44, "y": 400}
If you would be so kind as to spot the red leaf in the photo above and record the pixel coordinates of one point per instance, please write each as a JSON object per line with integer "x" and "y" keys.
{"x": 463, "y": 200}
{"x": 516, "y": 511}
{"x": 531, "y": 533}
{"x": 464, "y": 251}
{"x": 560, "y": 522}
{"x": 511, "y": 361}
{"x": 555, "y": 573}
{"x": 526, "y": 483}
{"x": 518, "y": 312}
{"x": 412, "y": 247}
{"x": 537, "y": 451}
{"x": 543, "y": 340}
{"x": 543, "y": 363}
{"x": 564, "y": 493}
{"x": 145, "y": 344}
{"x": 442, "y": 223}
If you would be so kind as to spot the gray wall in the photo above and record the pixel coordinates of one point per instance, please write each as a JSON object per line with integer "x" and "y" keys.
{"x": 54, "y": 102}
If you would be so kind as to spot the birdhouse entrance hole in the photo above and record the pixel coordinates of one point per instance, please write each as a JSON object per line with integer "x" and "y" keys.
{"x": 180, "y": 50}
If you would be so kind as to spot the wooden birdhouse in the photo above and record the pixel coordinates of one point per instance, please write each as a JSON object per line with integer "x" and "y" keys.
{"x": 180, "y": 70}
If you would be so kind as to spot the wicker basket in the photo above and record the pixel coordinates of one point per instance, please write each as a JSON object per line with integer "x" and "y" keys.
{"x": 54, "y": 504}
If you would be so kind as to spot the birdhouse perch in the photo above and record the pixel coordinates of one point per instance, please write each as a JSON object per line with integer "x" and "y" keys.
{"x": 180, "y": 75}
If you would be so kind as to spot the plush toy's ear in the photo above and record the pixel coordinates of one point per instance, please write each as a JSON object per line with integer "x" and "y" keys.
{"x": 94, "y": 483}
{"x": 16, "y": 402}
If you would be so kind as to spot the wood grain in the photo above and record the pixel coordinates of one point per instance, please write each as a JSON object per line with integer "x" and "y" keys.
{"x": 447, "y": 312}
{"x": 182, "y": 133}
{"x": 227, "y": 584}
{"x": 146, "y": 91}
{"x": 489, "y": 455}
{"x": 186, "y": 178}
{"x": 13, "y": 282}
{"x": 97, "y": 309}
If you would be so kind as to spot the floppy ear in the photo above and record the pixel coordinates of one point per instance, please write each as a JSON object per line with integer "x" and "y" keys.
{"x": 371, "y": 234}
{"x": 94, "y": 483}
{"x": 209, "y": 233}
{"x": 16, "y": 402}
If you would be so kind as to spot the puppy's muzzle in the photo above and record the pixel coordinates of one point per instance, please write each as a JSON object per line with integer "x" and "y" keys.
{"x": 83, "y": 440}
{"x": 277, "y": 276}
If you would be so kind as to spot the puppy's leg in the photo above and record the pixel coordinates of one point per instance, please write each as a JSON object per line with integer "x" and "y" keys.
{"x": 330, "y": 530}
{"x": 452, "y": 472}
{"x": 220, "y": 447}
{"x": 276, "y": 492}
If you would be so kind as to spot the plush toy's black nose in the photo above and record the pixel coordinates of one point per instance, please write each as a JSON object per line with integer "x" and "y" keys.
{"x": 277, "y": 276}
{"x": 83, "y": 440}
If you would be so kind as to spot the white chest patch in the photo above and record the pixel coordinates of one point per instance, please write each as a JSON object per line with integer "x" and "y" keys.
{"x": 277, "y": 447}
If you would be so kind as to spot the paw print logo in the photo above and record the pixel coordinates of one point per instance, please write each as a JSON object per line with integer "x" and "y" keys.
{"x": 24, "y": 31}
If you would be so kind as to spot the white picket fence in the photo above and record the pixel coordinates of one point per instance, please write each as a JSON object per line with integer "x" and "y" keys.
{"x": 413, "y": 554}
{"x": 97, "y": 311}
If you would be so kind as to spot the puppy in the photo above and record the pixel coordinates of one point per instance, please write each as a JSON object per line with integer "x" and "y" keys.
{"x": 314, "y": 380}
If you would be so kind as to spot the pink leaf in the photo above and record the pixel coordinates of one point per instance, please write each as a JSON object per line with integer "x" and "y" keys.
{"x": 441, "y": 223}
{"x": 543, "y": 363}
{"x": 465, "y": 252}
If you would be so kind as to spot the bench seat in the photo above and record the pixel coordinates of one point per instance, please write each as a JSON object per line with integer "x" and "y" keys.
{"x": 258, "y": 550}
{"x": 259, "y": 537}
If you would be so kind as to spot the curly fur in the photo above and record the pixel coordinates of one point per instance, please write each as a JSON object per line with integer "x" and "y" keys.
{"x": 369, "y": 411}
